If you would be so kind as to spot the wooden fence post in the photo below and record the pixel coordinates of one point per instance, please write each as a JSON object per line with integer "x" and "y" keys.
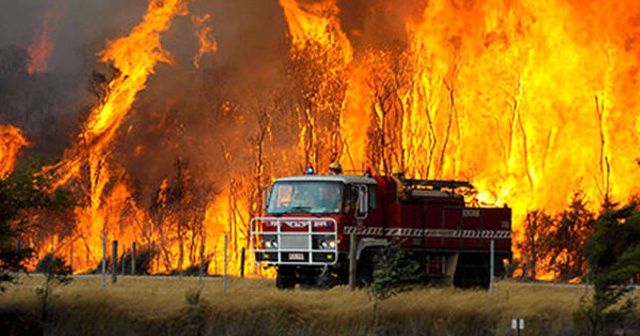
{"x": 226, "y": 262}
{"x": 114, "y": 261}
{"x": 104, "y": 259}
{"x": 133, "y": 258}
{"x": 242, "y": 263}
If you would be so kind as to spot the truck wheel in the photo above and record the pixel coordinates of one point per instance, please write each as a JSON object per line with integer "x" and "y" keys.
{"x": 286, "y": 278}
{"x": 472, "y": 271}
{"x": 307, "y": 280}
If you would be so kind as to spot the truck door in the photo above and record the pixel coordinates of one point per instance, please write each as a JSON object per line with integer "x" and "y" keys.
{"x": 359, "y": 205}
{"x": 362, "y": 202}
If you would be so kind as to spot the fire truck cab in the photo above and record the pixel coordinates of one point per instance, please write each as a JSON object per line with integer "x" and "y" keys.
{"x": 309, "y": 220}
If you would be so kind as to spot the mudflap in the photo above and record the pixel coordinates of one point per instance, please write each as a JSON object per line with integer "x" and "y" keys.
{"x": 326, "y": 279}
{"x": 365, "y": 267}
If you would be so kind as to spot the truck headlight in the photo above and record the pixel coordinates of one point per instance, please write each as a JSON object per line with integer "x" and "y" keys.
{"x": 327, "y": 244}
{"x": 270, "y": 242}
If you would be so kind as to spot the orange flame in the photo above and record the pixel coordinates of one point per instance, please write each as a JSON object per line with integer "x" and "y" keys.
{"x": 11, "y": 140}
{"x": 42, "y": 46}
{"x": 112, "y": 208}
{"x": 204, "y": 33}
{"x": 521, "y": 98}
{"x": 135, "y": 57}
{"x": 316, "y": 21}
{"x": 219, "y": 212}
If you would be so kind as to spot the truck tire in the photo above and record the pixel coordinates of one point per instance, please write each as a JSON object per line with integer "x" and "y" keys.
{"x": 286, "y": 277}
{"x": 307, "y": 279}
{"x": 472, "y": 271}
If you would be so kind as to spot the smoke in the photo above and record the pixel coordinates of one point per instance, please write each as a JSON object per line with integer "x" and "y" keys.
{"x": 200, "y": 116}
{"x": 48, "y": 106}
{"x": 188, "y": 112}
{"x": 249, "y": 65}
{"x": 378, "y": 24}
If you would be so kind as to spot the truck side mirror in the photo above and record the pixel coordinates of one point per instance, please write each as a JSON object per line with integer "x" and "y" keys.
{"x": 363, "y": 202}
{"x": 267, "y": 197}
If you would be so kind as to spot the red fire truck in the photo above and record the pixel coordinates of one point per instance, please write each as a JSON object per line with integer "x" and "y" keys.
{"x": 314, "y": 224}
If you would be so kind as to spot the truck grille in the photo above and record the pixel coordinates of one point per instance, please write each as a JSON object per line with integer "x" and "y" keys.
{"x": 294, "y": 241}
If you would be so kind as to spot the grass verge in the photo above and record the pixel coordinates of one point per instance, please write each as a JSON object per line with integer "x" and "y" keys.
{"x": 174, "y": 306}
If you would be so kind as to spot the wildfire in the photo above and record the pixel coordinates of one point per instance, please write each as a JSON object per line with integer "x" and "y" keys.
{"x": 521, "y": 98}
{"x": 179, "y": 227}
{"x": 40, "y": 50}
{"x": 219, "y": 211}
{"x": 11, "y": 141}
{"x": 316, "y": 21}
{"x": 135, "y": 57}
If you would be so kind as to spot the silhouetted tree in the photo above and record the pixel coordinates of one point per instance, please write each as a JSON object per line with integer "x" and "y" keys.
{"x": 20, "y": 194}
{"x": 613, "y": 256}
{"x": 532, "y": 245}
{"x": 318, "y": 77}
{"x": 566, "y": 239}
{"x": 389, "y": 81}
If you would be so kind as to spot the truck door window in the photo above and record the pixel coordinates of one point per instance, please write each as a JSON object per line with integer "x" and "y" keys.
{"x": 351, "y": 198}
{"x": 372, "y": 197}
{"x": 299, "y": 197}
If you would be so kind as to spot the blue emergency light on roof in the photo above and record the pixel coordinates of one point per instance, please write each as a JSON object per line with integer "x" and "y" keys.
{"x": 309, "y": 170}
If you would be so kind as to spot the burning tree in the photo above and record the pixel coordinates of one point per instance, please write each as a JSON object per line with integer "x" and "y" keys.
{"x": 178, "y": 212}
{"x": 444, "y": 88}
{"x": 24, "y": 197}
{"x": 318, "y": 74}
{"x": 567, "y": 238}
{"x": 318, "y": 70}
{"x": 533, "y": 245}
{"x": 553, "y": 246}
{"x": 90, "y": 163}
{"x": 389, "y": 82}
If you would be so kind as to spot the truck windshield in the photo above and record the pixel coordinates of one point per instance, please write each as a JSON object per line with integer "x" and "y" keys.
{"x": 306, "y": 197}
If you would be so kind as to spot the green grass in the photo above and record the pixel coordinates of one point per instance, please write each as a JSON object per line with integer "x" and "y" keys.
{"x": 173, "y": 306}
